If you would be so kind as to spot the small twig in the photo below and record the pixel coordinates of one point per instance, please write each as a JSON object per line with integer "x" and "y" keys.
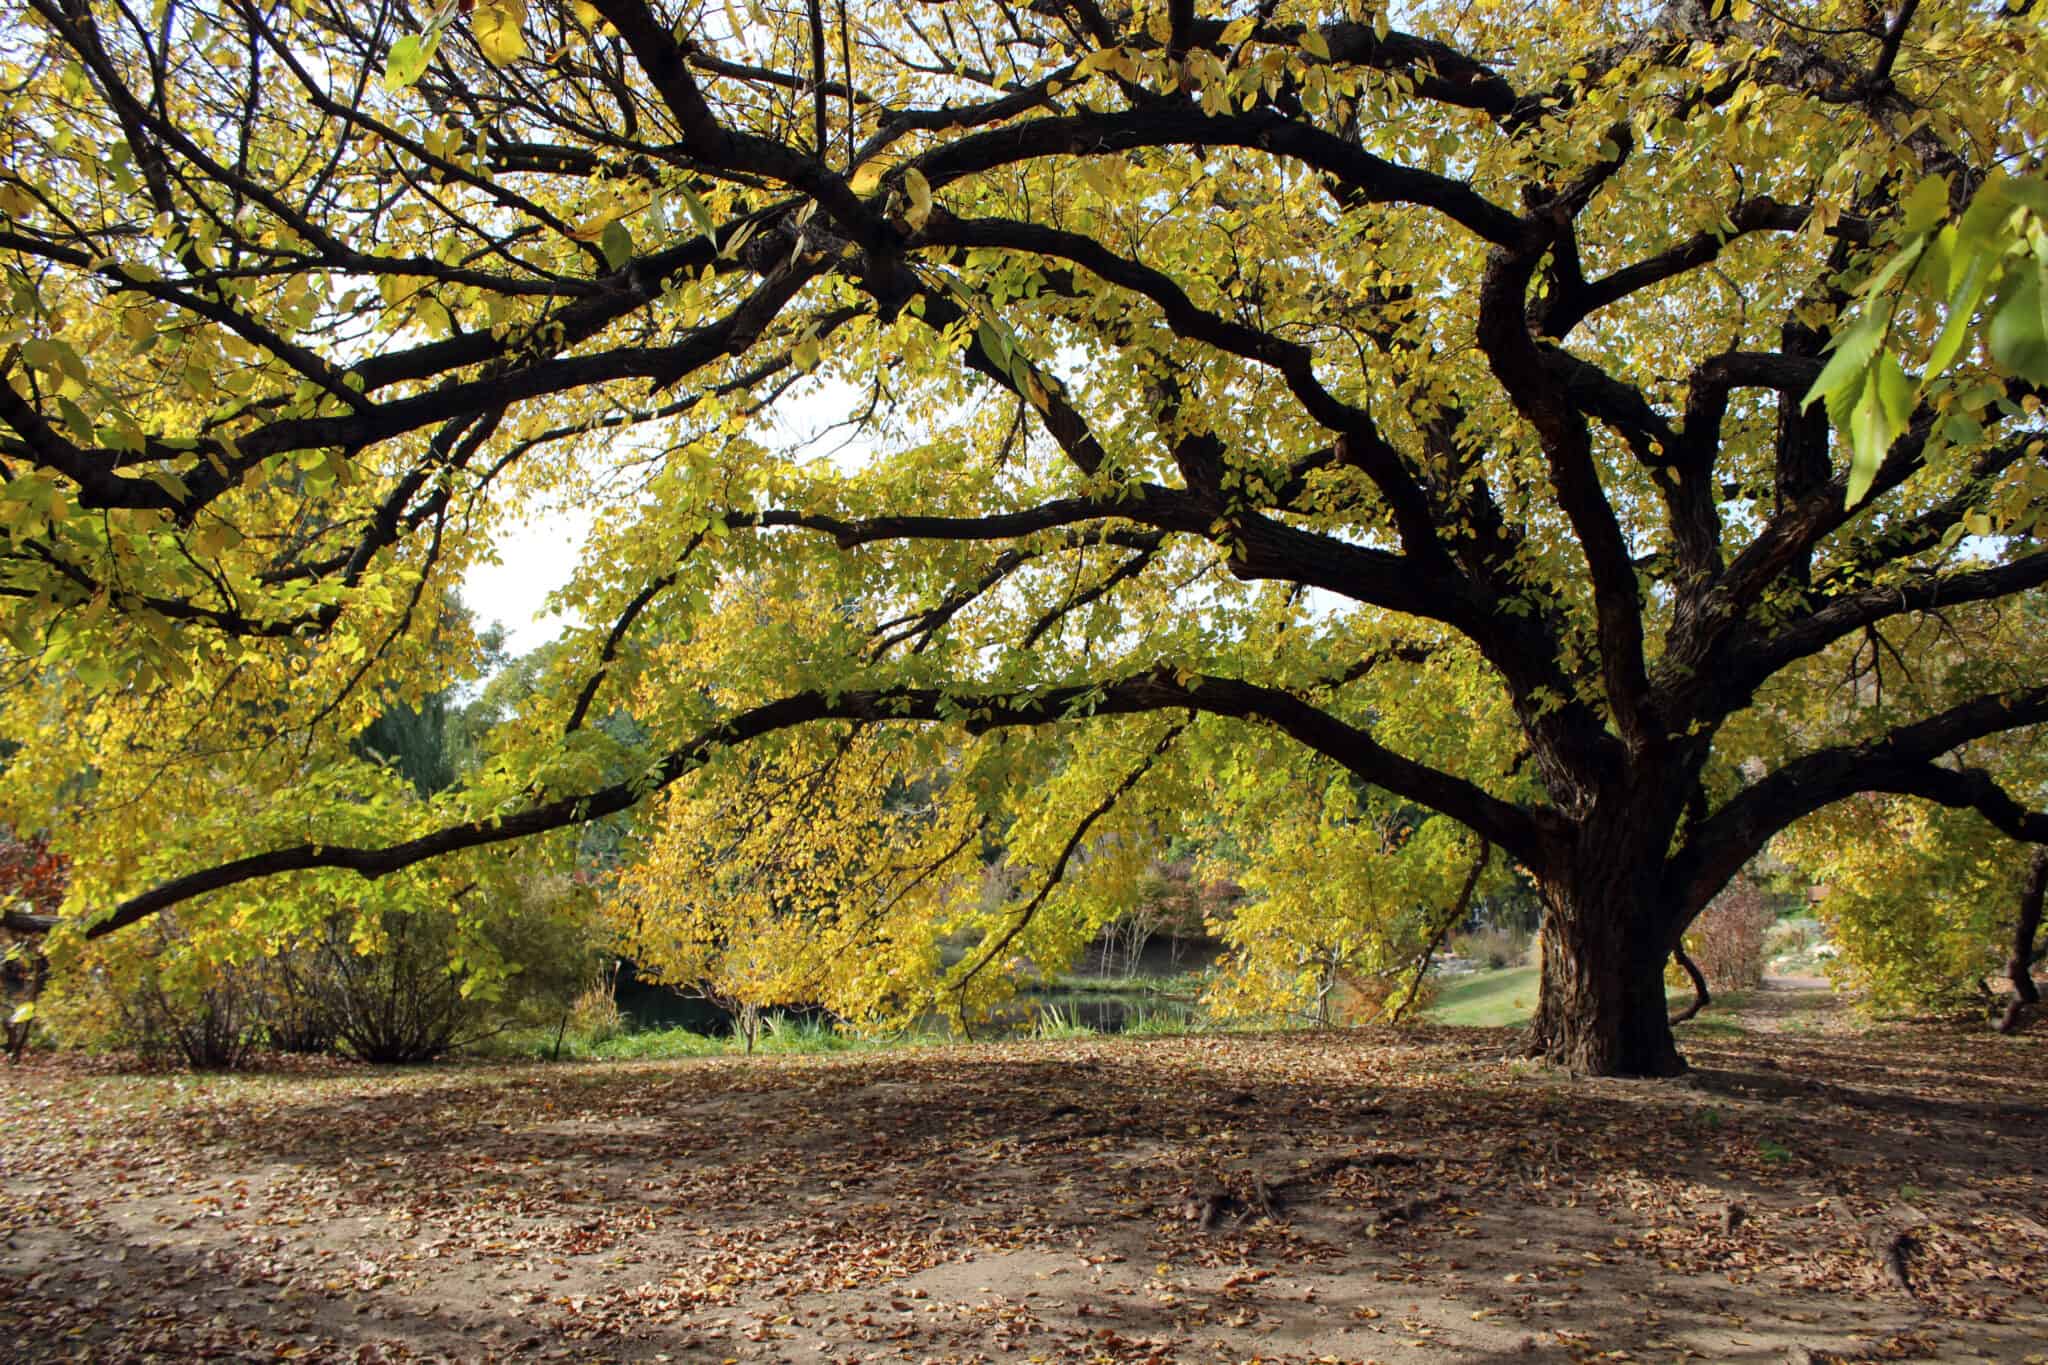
{"x": 1457, "y": 915}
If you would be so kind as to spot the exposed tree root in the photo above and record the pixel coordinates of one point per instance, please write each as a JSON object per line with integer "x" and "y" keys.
{"x": 1248, "y": 1194}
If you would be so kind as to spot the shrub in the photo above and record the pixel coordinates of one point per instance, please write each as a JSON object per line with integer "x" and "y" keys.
{"x": 1495, "y": 947}
{"x": 180, "y": 1005}
{"x": 400, "y": 1002}
{"x": 294, "y": 1021}
{"x": 1727, "y": 940}
{"x": 403, "y": 985}
{"x": 595, "y": 1015}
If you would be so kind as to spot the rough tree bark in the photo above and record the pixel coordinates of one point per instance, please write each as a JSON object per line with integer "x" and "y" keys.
{"x": 1601, "y": 1010}
{"x": 2019, "y": 968}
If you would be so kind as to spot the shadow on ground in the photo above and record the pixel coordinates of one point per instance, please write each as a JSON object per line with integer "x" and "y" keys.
{"x": 1367, "y": 1196}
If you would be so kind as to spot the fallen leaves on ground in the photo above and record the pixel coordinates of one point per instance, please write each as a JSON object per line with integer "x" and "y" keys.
{"x": 1300, "y": 1197}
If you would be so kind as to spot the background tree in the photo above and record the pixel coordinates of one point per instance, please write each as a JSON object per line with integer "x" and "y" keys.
{"x": 1923, "y": 904}
{"x": 786, "y": 885}
{"x": 1262, "y": 365}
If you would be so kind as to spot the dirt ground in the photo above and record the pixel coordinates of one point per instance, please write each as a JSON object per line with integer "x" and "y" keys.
{"x": 1393, "y": 1197}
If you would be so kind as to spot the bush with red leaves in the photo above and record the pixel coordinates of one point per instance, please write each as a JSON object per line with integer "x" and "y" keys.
{"x": 1727, "y": 940}
{"x": 32, "y": 875}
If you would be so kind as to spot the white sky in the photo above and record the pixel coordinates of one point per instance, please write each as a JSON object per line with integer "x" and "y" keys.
{"x": 535, "y": 558}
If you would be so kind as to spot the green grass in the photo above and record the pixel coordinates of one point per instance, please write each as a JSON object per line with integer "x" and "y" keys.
{"x": 791, "y": 1034}
{"x": 1487, "y": 999}
{"x": 1164, "y": 1023}
{"x": 1183, "y": 986}
{"x": 1055, "y": 1023}
{"x": 780, "y": 1035}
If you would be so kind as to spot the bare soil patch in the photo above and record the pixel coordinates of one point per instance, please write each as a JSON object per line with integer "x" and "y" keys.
{"x": 1396, "y": 1197}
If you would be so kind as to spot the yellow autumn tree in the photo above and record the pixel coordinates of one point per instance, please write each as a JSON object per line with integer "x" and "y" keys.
{"x": 1180, "y": 355}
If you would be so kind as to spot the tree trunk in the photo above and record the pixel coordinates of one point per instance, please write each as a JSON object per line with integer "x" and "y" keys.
{"x": 2019, "y": 968}
{"x": 1601, "y": 1010}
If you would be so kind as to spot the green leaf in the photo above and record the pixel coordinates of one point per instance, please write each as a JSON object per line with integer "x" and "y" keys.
{"x": 616, "y": 243}
{"x": 75, "y": 418}
{"x": 1962, "y": 308}
{"x": 996, "y": 345}
{"x": 1852, "y": 352}
{"x": 1927, "y": 204}
{"x": 1963, "y": 430}
{"x": 2030, "y": 194}
{"x": 1879, "y": 282}
{"x": 1879, "y": 416}
{"x": 408, "y": 59}
{"x": 1895, "y": 389}
{"x": 699, "y": 214}
{"x": 2018, "y": 334}
{"x": 1981, "y": 221}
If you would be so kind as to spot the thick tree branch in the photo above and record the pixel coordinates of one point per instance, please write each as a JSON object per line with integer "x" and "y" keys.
{"x": 1838, "y": 617}
{"x": 1523, "y": 833}
{"x": 1903, "y": 761}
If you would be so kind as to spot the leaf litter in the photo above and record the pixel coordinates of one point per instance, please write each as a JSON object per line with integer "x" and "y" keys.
{"x": 1351, "y": 1196}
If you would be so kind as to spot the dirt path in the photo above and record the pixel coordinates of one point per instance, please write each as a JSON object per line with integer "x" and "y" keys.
{"x": 1430, "y": 1202}
{"x": 1793, "y": 1004}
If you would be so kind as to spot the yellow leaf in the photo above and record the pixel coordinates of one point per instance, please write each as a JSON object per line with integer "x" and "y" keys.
{"x": 1312, "y": 42}
{"x": 867, "y": 177}
{"x": 496, "y": 24}
{"x": 920, "y": 191}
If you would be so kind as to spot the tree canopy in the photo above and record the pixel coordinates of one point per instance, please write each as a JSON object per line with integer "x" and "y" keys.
{"x": 1452, "y": 400}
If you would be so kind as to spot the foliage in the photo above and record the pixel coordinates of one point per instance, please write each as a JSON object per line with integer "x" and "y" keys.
{"x": 1169, "y": 899}
{"x": 1918, "y": 900}
{"x": 1990, "y": 258}
{"x": 1344, "y": 890}
{"x": 407, "y": 984}
{"x": 185, "y": 1002}
{"x": 766, "y": 892}
{"x": 386, "y": 981}
{"x": 1727, "y": 941}
{"x": 32, "y": 881}
{"x": 33, "y": 875}
{"x": 1434, "y": 397}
